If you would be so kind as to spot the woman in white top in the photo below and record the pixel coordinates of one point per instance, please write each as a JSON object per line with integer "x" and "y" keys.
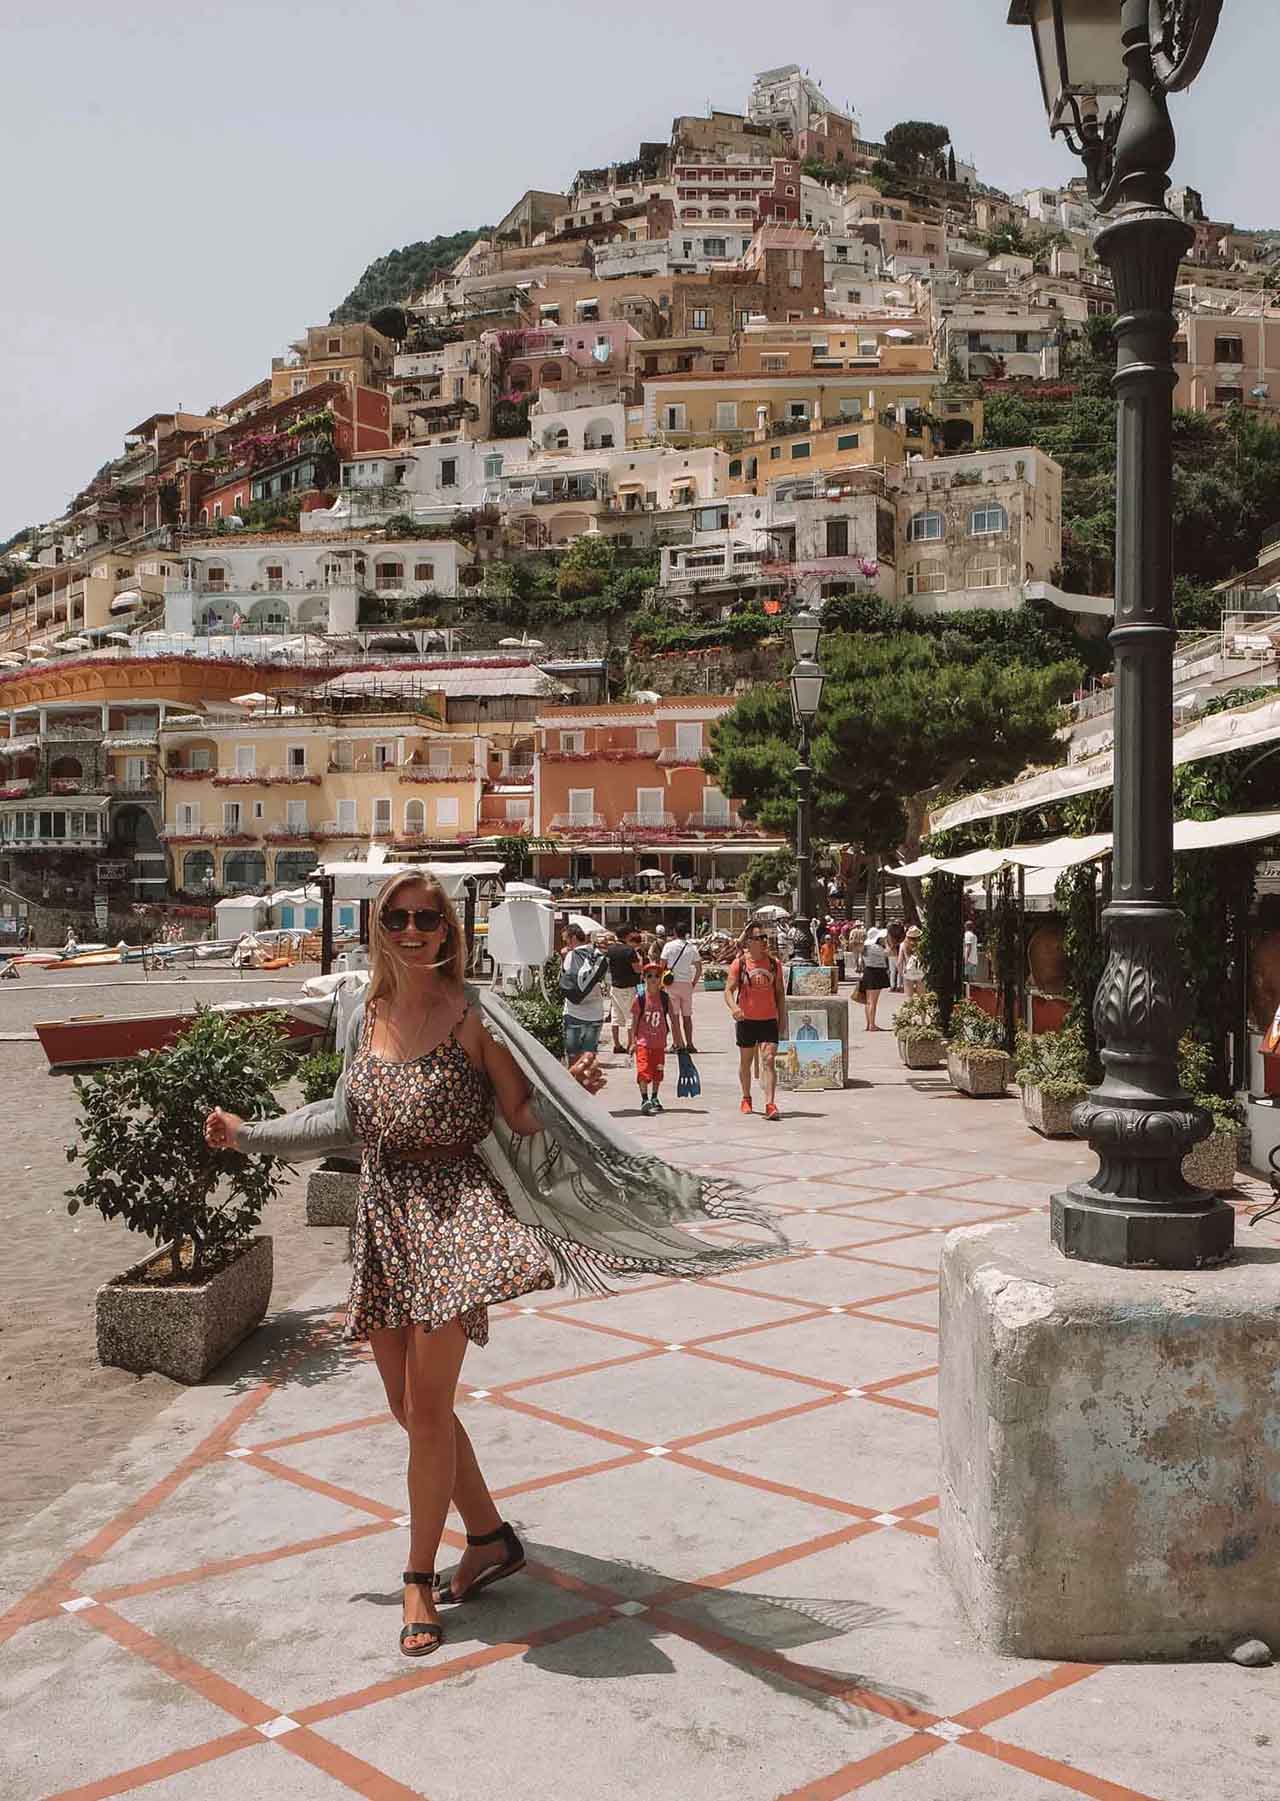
{"x": 875, "y": 973}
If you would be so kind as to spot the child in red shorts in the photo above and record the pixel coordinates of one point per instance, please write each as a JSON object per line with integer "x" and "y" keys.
{"x": 650, "y": 1025}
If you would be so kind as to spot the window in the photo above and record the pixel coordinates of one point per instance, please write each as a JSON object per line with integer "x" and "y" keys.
{"x": 987, "y": 575}
{"x": 296, "y": 815}
{"x": 200, "y": 757}
{"x": 927, "y": 579}
{"x": 231, "y": 815}
{"x": 275, "y": 577}
{"x": 798, "y": 411}
{"x": 246, "y": 759}
{"x": 572, "y": 743}
{"x": 649, "y": 802}
{"x": 1021, "y": 342}
{"x": 773, "y": 364}
{"x": 346, "y": 815}
{"x": 449, "y": 472}
{"x": 582, "y": 803}
{"x": 926, "y": 528}
{"x": 296, "y": 759}
{"x": 415, "y": 816}
{"x": 517, "y": 809}
{"x": 673, "y": 418}
{"x": 1228, "y": 396}
{"x": 388, "y": 575}
{"x": 715, "y": 246}
{"x": 800, "y": 451}
{"x": 985, "y": 522}
{"x": 847, "y": 441}
{"x": 217, "y": 509}
{"x": 384, "y": 756}
{"x": 726, "y": 415}
{"x": 850, "y": 407}
{"x": 837, "y": 537}
{"x": 298, "y": 384}
{"x": 689, "y": 737}
{"x": 715, "y": 805}
{"x": 424, "y": 572}
{"x": 188, "y": 816}
{"x": 335, "y": 347}
{"x": 493, "y": 467}
{"x": 549, "y": 315}
{"x": 1228, "y": 350}
{"x": 735, "y": 469}
{"x": 775, "y": 453}
{"x": 382, "y": 815}
{"x": 698, "y": 319}
{"x": 447, "y": 812}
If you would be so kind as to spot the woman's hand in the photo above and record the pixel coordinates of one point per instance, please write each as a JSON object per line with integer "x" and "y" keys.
{"x": 588, "y": 1072}
{"x": 221, "y": 1130}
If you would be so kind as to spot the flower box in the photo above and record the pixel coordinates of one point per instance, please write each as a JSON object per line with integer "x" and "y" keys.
{"x": 182, "y": 1329}
{"x": 1211, "y": 1164}
{"x": 714, "y": 981}
{"x": 977, "y": 1070}
{"x": 1047, "y": 1114}
{"x": 922, "y": 1050}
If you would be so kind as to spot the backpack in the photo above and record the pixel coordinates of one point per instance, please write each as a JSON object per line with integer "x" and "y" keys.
{"x": 571, "y": 988}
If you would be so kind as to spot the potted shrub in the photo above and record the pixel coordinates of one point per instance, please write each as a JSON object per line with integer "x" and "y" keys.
{"x": 1052, "y": 1071}
{"x": 977, "y": 1061}
{"x": 715, "y": 978}
{"x": 1212, "y": 1163}
{"x": 144, "y": 1160}
{"x": 333, "y": 1186}
{"x": 917, "y": 1026}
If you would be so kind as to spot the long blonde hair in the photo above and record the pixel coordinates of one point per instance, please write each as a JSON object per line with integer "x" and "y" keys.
{"x": 384, "y": 976}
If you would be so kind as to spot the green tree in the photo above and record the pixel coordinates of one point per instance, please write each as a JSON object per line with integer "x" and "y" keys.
{"x": 586, "y": 567}
{"x": 392, "y": 279}
{"x": 903, "y": 721}
{"x": 917, "y": 147}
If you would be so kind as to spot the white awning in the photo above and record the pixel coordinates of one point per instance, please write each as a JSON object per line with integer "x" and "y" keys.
{"x": 1251, "y": 727}
{"x": 361, "y": 881}
{"x": 18, "y": 747}
{"x": 1056, "y": 854}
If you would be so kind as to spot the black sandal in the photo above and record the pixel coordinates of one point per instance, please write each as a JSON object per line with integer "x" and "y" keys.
{"x": 416, "y": 1628}
{"x": 512, "y": 1563}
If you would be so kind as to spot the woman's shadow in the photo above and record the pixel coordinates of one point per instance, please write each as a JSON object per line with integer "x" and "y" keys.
{"x": 753, "y": 1632}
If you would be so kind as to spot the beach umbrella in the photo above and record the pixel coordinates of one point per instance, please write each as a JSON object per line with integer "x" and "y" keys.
{"x": 772, "y": 913}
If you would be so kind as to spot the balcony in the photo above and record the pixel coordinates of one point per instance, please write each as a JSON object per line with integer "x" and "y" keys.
{"x": 450, "y": 772}
{"x": 69, "y": 841}
{"x": 136, "y": 788}
{"x": 231, "y": 778}
{"x": 342, "y": 828}
{"x": 15, "y": 790}
{"x": 714, "y": 822}
{"x": 648, "y": 822}
{"x": 578, "y": 822}
{"x": 291, "y": 834}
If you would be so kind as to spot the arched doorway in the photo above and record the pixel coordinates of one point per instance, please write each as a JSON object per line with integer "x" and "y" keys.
{"x": 293, "y": 867}
{"x": 66, "y": 775}
{"x": 244, "y": 869}
{"x": 197, "y": 868}
{"x": 133, "y": 829}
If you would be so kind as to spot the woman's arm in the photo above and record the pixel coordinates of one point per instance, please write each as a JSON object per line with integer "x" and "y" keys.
{"x": 319, "y": 1129}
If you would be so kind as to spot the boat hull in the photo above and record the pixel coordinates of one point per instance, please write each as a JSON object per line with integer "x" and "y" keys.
{"x": 87, "y": 1041}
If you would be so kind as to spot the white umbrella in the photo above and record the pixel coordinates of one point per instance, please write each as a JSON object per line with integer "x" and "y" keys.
{"x": 584, "y": 924}
{"x": 521, "y": 644}
{"x": 651, "y": 872}
{"x": 127, "y": 600}
{"x": 249, "y": 700}
{"x": 772, "y": 913}
{"x": 72, "y": 644}
{"x": 119, "y": 637}
{"x": 896, "y": 331}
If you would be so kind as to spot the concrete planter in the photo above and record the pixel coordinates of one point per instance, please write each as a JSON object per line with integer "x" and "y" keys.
{"x": 714, "y": 981}
{"x": 922, "y": 1050}
{"x": 1047, "y": 1114}
{"x": 183, "y": 1331}
{"x": 333, "y": 1188}
{"x": 1211, "y": 1164}
{"x": 977, "y": 1071}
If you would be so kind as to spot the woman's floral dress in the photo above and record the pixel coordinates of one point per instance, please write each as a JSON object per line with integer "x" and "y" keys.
{"x": 438, "y": 1241}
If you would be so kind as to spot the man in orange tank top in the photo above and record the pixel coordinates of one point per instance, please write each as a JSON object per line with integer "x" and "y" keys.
{"x": 756, "y": 998}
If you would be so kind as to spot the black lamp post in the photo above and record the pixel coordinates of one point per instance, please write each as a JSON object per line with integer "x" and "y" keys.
{"x": 807, "y": 679}
{"x": 1106, "y": 67}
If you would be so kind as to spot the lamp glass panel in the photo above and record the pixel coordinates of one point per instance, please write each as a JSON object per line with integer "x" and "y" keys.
{"x": 1094, "y": 59}
{"x": 806, "y": 692}
{"x": 805, "y": 631}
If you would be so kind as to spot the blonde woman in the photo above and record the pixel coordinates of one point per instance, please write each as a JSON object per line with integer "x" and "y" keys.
{"x": 437, "y": 1238}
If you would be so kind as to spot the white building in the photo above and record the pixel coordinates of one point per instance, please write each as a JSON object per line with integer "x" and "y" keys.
{"x": 788, "y": 100}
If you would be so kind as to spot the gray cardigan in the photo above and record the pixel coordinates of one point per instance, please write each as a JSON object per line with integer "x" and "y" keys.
{"x": 602, "y": 1205}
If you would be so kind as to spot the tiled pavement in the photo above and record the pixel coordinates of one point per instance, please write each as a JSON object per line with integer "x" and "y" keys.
{"x": 728, "y": 1493}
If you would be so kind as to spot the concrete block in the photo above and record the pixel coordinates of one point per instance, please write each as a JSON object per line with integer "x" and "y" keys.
{"x": 332, "y": 1191}
{"x": 1110, "y": 1449}
{"x": 183, "y": 1331}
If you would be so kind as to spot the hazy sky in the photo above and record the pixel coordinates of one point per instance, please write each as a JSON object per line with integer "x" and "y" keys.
{"x": 187, "y": 188}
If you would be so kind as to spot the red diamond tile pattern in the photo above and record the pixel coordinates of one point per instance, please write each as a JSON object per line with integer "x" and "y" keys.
{"x": 728, "y": 1494}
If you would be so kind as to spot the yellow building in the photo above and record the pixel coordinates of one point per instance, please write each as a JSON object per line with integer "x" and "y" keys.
{"x": 355, "y": 354}
{"x": 898, "y": 391}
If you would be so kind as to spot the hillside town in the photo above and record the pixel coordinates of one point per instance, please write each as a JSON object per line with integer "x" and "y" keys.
{"x": 745, "y": 367}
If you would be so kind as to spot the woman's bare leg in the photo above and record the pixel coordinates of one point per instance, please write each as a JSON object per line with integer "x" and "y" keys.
{"x": 432, "y": 1363}
{"x": 471, "y": 1494}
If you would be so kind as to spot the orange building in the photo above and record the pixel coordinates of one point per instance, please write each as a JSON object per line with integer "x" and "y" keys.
{"x": 622, "y": 786}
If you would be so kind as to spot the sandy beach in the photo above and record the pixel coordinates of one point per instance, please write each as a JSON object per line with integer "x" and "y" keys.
{"x": 61, "y": 1413}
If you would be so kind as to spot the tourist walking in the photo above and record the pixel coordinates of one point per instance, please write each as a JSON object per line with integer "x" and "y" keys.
{"x": 756, "y": 998}
{"x": 912, "y": 962}
{"x": 875, "y": 973}
{"x": 582, "y": 973}
{"x": 625, "y": 979}
{"x": 651, "y": 1020}
{"x": 683, "y": 963}
{"x": 454, "y": 1216}
{"x": 896, "y": 934}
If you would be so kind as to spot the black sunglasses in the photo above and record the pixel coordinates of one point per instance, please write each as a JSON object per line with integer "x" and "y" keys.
{"x": 396, "y": 919}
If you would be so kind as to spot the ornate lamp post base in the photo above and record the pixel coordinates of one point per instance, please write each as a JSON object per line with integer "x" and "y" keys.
{"x": 1129, "y": 1236}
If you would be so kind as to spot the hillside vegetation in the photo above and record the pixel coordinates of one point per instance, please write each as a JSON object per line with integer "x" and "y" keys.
{"x": 391, "y": 279}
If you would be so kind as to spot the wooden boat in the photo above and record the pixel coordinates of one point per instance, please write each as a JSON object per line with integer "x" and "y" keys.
{"x": 86, "y": 960}
{"x": 88, "y": 1040}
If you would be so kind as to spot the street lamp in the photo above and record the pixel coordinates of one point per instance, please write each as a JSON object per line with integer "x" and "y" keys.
{"x": 1106, "y": 70}
{"x": 807, "y": 680}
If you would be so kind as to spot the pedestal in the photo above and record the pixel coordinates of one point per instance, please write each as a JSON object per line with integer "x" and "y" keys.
{"x": 332, "y": 1192}
{"x": 1110, "y": 1449}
